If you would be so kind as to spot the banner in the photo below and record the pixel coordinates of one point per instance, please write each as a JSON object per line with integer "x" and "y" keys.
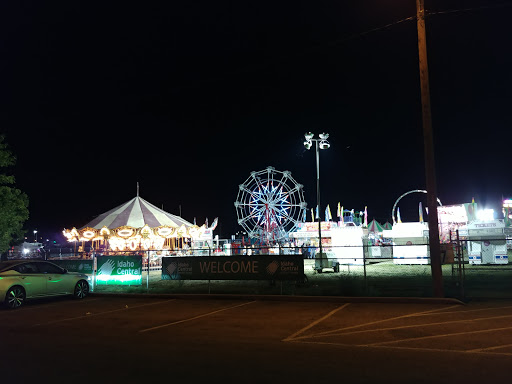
{"x": 255, "y": 267}
{"x": 119, "y": 270}
{"x": 82, "y": 266}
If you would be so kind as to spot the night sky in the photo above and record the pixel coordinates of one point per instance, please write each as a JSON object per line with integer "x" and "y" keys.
{"x": 187, "y": 98}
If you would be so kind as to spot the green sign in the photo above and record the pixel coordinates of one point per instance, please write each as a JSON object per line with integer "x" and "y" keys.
{"x": 119, "y": 270}
{"x": 260, "y": 267}
{"x": 82, "y": 266}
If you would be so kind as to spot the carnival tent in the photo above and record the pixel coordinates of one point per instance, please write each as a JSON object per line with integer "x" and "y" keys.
{"x": 387, "y": 225}
{"x": 138, "y": 224}
{"x": 374, "y": 226}
{"x": 137, "y": 213}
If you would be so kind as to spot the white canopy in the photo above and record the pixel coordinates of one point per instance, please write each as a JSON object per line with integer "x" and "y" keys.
{"x": 136, "y": 213}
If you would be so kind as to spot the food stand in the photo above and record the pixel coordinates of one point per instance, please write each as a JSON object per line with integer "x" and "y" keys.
{"x": 342, "y": 243}
{"x": 410, "y": 243}
{"x": 487, "y": 242}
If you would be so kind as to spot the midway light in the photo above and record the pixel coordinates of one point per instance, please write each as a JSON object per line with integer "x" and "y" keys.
{"x": 125, "y": 232}
{"x": 485, "y": 214}
{"x": 88, "y": 234}
{"x": 104, "y": 231}
{"x": 165, "y": 231}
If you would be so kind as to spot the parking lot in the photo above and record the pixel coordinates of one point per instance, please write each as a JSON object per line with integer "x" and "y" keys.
{"x": 112, "y": 338}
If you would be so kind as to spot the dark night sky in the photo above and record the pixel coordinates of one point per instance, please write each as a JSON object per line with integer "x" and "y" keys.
{"x": 187, "y": 98}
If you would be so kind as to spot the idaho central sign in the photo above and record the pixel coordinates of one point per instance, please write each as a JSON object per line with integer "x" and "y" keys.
{"x": 119, "y": 270}
{"x": 261, "y": 267}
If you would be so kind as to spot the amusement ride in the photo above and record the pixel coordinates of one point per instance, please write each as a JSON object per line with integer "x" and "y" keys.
{"x": 269, "y": 205}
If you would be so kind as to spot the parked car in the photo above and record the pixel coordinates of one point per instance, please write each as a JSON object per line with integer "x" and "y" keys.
{"x": 31, "y": 279}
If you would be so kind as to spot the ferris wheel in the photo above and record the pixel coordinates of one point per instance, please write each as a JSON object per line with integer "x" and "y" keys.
{"x": 270, "y": 204}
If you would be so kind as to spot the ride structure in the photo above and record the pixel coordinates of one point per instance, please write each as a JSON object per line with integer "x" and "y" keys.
{"x": 269, "y": 205}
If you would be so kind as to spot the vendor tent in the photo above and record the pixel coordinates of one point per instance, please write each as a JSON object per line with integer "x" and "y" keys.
{"x": 374, "y": 226}
{"x": 136, "y": 213}
{"x": 387, "y": 225}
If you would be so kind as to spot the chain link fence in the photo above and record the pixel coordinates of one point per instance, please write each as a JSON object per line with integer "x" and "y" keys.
{"x": 471, "y": 269}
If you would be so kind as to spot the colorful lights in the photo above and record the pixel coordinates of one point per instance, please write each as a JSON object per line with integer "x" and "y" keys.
{"x": 125, "y": 232}
{"x": 269, "y": 205}
{"x": 131, "y": 239}
{"x": 88, "y": 233}
{"x": 165, "y": 232}
{"x": 105, "y": 232}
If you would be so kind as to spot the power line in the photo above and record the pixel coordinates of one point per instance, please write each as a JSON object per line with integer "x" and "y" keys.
{"x": 267, "y": 62}
{"x": 483, "y": 7}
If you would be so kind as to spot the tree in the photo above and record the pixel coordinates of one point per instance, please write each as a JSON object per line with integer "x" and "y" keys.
{"x": 13, "y": 202}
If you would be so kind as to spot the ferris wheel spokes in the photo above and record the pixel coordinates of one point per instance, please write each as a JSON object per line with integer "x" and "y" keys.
{"x": 270, "y": 204}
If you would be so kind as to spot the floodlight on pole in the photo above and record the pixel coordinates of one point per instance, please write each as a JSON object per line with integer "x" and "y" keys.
{"x": 321, "y": 143}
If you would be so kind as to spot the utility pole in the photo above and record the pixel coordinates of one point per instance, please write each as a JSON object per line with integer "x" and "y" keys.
{"x": 435, "y": 249}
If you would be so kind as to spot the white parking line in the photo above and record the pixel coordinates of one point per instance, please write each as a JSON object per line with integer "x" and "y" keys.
{"x": 436, "y": 336}
{"x": 292, "y": 337}
{"x": 102, "y": 313}
{"x": 415, "y": 326}
{"x": 474, "y": 310}
{"x": 377, "y": 322}
{"x": 490, "y": 348}
{"x": 392, "y": 347}
{"x": 194, "y": 318}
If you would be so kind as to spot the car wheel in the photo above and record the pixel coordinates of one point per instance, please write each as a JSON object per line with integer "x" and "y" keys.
{"x": 81, "y": 289}
{"x": 14, "y": 297}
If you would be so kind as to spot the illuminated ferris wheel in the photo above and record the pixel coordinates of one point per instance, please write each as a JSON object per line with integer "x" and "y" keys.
{"x": 270, "y": 204}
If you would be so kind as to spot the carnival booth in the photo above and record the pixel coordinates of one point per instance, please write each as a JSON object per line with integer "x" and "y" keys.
{"x": 342, "y": 243}
{"x": 348, "y": 241}
{"x": 138, "y": 225}
{"x": 487, "y": 242}
{"x": 377, "y": 247}
{"x": 410, "y": 242}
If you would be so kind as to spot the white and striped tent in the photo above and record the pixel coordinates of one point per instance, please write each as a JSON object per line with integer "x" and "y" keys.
{"x": 137, "y": 213}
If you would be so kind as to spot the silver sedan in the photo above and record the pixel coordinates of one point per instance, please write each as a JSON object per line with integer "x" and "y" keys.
{"x": 30, "y": 279}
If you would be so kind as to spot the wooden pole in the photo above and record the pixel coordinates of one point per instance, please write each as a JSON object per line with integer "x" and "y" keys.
{"x": 435, "y": 250}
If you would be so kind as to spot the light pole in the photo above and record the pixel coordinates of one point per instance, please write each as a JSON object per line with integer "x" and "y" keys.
{"x": 35, "y": 236}
{"x": 321, "y": 143}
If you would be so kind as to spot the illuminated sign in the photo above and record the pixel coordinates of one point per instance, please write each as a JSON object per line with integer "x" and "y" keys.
{"x": 119, "y": 270}
{"x": 453, "y": 217}
{"x": 313, "y": 226}
{"x": 452, "y": 214}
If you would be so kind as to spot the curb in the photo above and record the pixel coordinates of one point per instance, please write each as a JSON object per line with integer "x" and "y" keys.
{"x": 325, "y": 299}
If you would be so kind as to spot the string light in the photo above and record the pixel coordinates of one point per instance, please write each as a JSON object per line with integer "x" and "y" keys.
{"x": 145, "y": 238}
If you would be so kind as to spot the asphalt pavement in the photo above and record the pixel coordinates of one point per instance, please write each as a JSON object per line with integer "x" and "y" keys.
{"x": 135, "y": 338}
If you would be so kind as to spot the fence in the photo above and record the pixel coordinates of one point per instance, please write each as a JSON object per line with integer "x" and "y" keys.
{"x": 384, "y": 270}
